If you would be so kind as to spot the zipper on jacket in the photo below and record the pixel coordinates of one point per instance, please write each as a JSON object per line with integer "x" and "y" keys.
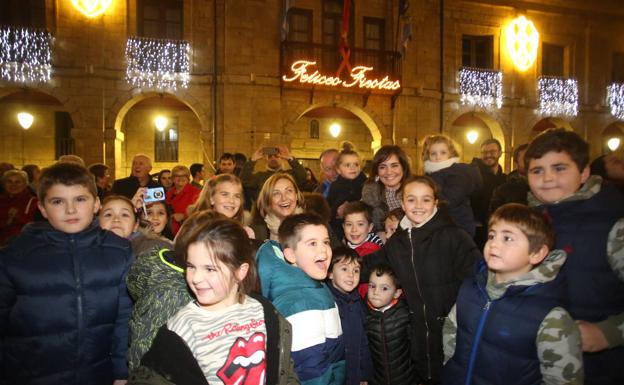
{"x": 424, "y": 306}
{"x": 385, "y": 350}
{"x": 477, "y": 340}
{"x": 78, "y": 280}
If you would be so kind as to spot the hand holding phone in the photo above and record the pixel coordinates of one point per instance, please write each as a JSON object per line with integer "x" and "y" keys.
{"x": 154, "y": 195}
{"x": 270, "y": 151}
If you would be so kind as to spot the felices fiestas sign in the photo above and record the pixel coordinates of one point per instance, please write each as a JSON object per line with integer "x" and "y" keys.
{"x": 303, "y": 71}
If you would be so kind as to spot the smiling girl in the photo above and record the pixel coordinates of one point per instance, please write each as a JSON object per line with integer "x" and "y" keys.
{"x": 117, "y": 215}
{"x": 199, "y": 344}
{"x": 431, "y": 256}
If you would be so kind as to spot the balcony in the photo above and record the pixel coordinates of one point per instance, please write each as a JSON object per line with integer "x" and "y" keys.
{"x": 328, "y": 59}
{"x": 25, "y": 55}
{"x": 615, "y": 100}
{"x": 481, "y": 87}
{"x": 558, "y": 96}
{"x": 158, "y": 64}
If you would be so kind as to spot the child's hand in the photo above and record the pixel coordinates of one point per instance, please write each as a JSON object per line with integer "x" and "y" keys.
{"x": 137, "y": 199}
{"x": 120, "y": 382}
{"x": 592, "y": 338}
{"x": 340, "y": 210}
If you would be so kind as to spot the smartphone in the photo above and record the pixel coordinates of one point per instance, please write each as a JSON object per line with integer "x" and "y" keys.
{"x": 154, "y": 195}
{"x": 270, "y": 151}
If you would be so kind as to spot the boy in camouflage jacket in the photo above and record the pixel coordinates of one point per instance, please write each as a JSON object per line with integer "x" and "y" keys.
{"x": 508, "y": 325}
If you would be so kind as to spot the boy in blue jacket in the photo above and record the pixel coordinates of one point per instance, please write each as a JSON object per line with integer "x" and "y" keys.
{"x": 292, "y": 278}
{"x": 64, "y": 307}
{"x": 588, "y": 218}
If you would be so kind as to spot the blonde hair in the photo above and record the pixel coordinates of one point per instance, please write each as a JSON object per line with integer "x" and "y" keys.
{"x": 430, "y": 140}
{"x": 264, "y": 197}
{"x": 181, "y": 169}
{"x": 208, "y": 191}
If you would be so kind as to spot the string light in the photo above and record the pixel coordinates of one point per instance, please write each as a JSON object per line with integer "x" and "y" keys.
{"x": 615, "y": 100}
{"x": 157, "y": 63}
{"x": 25, "y": 55}
{"x": 558, "y": 96}
{"x": 481, "y": 87}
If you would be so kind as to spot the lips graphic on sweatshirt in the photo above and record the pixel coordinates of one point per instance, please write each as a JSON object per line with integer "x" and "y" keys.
{"x": 246, "y": 362}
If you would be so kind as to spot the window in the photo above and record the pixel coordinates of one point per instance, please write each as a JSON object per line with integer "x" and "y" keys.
{"x": 23, "y": 13}
{"x": 63, "y": 142}
{"x": 332, "y": 18}
{"x": 161, "y": 19}
{"x": 552, "y": 59}
{"x": 300, "y": 25}
{"x": 166, "y": 142}
{"x": 617, "y": 73}
{"x": 477, "y": 51}
{"x": 374, "y": 33}
{"x": 314, "y": 129}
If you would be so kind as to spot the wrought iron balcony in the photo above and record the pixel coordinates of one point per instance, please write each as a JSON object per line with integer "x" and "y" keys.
{"x": 558, "y": 96}
{"x": 25, "y": 54}
{"x": 328, "y": 59}
{"x": 157, "y": 63}
{"x": 481, "y": 87}
{"x": 615, "y": 100}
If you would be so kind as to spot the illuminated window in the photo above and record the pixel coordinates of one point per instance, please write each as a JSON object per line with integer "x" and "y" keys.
{"x": 161, "y": 19}
{"x": 617, "y": 73}
{"x": 166, "y": 142}
{"x": 552, "y": 59}
{"x": 23, "y": 13}
{"x": 477, "y": 51}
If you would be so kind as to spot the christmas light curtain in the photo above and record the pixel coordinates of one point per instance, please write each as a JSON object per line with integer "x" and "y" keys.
{"x": 25, "y": 55}
{"x": 481, "y": 87}
{"x": 558, "y": 96}
{"x": 157, "y": 63}
{"x": 615, "y": 100}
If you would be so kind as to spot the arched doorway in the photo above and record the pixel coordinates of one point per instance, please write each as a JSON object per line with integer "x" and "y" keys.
{"x": 177, "y": 141}
{"x": 311, "y": 133}
{"x": 547, "y": 123}
{"x": 45, "y": 140}
{"x": 480, "y": 126}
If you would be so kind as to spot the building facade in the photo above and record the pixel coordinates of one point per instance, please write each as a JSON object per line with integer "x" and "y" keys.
{"x": 224, "y": 74}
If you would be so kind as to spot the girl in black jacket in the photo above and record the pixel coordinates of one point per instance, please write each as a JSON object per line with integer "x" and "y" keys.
{"x": 431, "y": 256}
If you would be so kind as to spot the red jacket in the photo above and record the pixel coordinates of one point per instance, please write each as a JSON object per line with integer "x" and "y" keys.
{"x": 179, "y": 202}
{"x": 15, "y": 212}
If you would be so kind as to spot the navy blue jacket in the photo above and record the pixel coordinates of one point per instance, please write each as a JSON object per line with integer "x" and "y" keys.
{"x": 352, "y": 319}
{"x": 496, "y": 339}
{"x": 457, "y": 183}
{"x": 594, "y": 291}
{"x": 64, "y": 307}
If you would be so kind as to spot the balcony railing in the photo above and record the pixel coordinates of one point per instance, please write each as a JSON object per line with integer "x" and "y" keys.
{"x": 558, "y": 96}
{"x": 25, "y": 54}
{"x": 157, "y": 63}
{"x": 328, "y": 59}
{"x": 481, "y": 87}
{"x": 615, "y": 100}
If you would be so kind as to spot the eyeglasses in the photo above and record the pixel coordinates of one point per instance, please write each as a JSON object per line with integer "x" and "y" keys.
{"x": 491, "y": 152}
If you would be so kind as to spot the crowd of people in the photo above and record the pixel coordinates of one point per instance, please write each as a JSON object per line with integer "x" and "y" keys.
{"x": 453, "y": 274}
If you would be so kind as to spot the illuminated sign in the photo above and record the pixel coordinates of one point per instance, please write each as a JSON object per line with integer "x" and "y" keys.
{"x": 302, "y": 73}
{"x": 522, "y": 42}
{"x": 91, "y": 8}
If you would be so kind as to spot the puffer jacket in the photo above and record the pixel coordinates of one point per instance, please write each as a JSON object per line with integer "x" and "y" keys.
{"x": 389, "y": 343}
{"x": 64, "y": 307}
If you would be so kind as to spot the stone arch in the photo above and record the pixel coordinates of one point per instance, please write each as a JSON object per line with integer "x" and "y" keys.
{"x": 366, "y": 117}
{"x": 490, "y": 121}
{"x": 541, "y": 123}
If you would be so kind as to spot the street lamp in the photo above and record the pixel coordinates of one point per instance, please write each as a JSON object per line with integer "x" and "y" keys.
{"x": 613, "y": 143}
{"x": 25, "y": 120}
{"x": 334, "y": 129}
{"x": 472, "y": 136}
{"x": 160, "y": 122}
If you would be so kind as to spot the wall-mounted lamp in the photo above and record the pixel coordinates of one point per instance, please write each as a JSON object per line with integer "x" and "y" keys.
{"x": 334, "y": 129}
{"x": 472, "y": 136}
{"x": 522, "y": 42}
{"x": 25, "y": 120}
{"x": 160, "y": 122}
{"x": 613, "y": 143}
{"x": 91, "y": 8}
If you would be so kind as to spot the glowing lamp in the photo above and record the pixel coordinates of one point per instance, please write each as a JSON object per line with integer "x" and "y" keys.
{"x": 91, "y": 8}
{"x": 26, "y": 120}
{"x": 161, "y": 122}
{"x": 522, "y": 42}
{"x": 472, "y": 136}
{"x": 334, "y": 129}
{"x": 613, "y": 143}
